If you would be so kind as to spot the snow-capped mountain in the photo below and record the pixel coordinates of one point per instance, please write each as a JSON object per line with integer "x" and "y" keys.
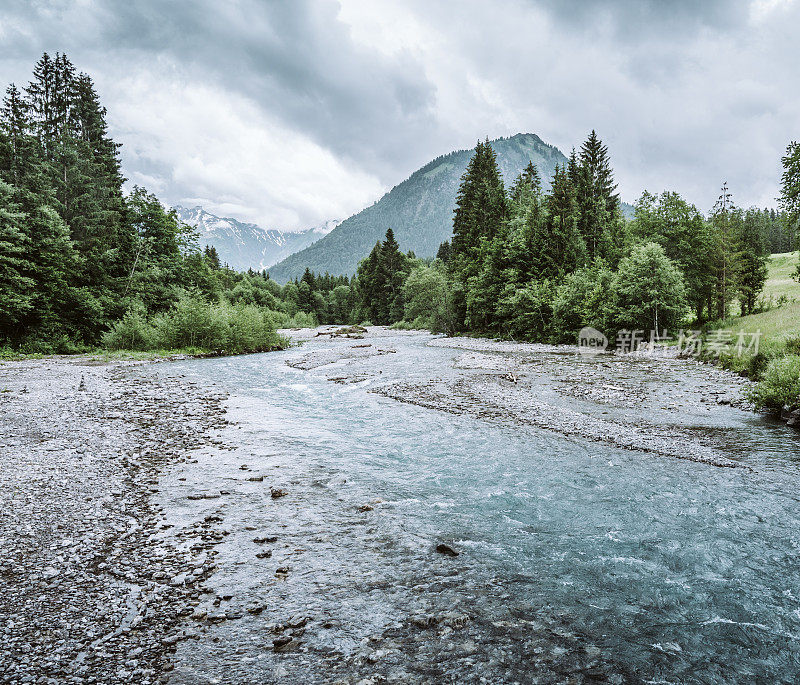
{"x": 243, "y": 245}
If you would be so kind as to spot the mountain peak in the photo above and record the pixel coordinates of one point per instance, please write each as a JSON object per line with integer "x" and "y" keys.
{"x": 244, "y": 245}
{"x": 419, "y": 209}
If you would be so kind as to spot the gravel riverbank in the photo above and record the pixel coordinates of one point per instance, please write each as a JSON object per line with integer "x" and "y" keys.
{"x": 87, "y": 593}
{"x": 138, "y": 548}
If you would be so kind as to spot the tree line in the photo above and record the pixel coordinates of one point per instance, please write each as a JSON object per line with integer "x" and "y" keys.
{"x": 84, "y": 264}
{"x": 525, "y": 263}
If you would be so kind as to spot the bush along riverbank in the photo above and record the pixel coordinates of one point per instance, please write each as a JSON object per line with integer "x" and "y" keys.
{"x": 196, "y": 325}
{"x": 773, "y": 364}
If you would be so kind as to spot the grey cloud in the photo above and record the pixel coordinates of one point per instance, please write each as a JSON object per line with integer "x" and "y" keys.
{"x": 682, "y": 90}
{"x": 637, "y": 20}
{"x": 295, "y": 59}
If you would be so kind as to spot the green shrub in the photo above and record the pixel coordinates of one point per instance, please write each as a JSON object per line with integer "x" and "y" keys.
{"x": 527, "y": 311}
{"x": 249, "y": 329}
{"x": 302, "y": 320}
{"x": 191, "y": 323}
{"x": 194, "y": 324}
{"x": 780, "y": 385}
{"x": 132, "y": 332}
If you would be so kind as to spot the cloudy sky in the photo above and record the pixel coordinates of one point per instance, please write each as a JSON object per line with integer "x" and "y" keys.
{"x": 291, "y": 113}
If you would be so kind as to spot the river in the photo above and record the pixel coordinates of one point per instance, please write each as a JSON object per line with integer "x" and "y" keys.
{"x": 578, "y": 556}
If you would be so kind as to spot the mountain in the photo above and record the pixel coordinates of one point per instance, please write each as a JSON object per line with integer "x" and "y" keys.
{"x": 419, "y": 210}
{"x": 244, "y": 246}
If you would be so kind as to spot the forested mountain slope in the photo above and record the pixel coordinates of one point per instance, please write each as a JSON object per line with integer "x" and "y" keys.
{"x": 419, "y": 210}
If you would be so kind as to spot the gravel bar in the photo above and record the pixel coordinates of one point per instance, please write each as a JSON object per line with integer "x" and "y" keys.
{"x": 88, "y": 592}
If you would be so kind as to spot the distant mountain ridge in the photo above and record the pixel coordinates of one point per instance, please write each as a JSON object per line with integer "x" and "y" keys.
{"x": 244, "y": 245}
{"x": 419, "y": 210}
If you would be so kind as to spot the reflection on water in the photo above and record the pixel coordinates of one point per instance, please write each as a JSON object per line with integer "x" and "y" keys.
{"x": 574, "y": 557}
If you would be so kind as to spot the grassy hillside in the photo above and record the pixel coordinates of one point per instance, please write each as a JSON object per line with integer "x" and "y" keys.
{"x": 782, "y": 322}
{"x": 776, "y": 326}
{"x": 419, "y": 210}
{"x": 781, "y": 279}
{"x": 777, "y": 366}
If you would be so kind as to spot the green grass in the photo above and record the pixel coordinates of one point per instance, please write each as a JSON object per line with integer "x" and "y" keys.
{"x": 782, "y": 322}
{"x": 776, "y": 366}
{"x": 781, "y": 277}
{"x": 776, "y": 326}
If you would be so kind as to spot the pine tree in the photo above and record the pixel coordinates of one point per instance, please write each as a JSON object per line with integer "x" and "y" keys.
{"x": 212, "y": 258}
{"x": 60, "y": 308}
{"x": 527, "y": 182}
{"x": 752, "y": 261}
{"x": 726, "y": 253}
{"x": 595, "y": 161}
{"x": 443, "y": 253}
{"x": 556, "y": 245}
{"x": 481, "y": 204}
{"x": 18, "y": 152}
{"x": 597, "y": 200}
{"x": 40, "y": 98}
{"x": 308, "y": 277}
{"x": 481, "y": 211}
{"x": 392, "y": 270}
{"x": 16, "y": 288}
{"x": 368, "y": 284}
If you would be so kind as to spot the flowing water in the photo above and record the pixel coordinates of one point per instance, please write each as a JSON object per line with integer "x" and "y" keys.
{"x": 576, "y": 559}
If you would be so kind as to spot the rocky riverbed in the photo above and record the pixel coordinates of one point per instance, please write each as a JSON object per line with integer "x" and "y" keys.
{"x": 383, "y": 506}
{"x": 633, "y": 401}
{"x": 87, "y": 593}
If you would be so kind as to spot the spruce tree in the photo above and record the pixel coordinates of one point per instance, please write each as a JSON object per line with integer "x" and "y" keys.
{"x": 392, "y": 270}
{"x": 443, "y": 253}
{"x": 726, "y": 253}
{"x": 481, "y": 204}
{"x": 556, "y": 245}
{"x": 16, "y": 288}
{"x": 528, "y": 181}
{"x": 597, "y": 200}
{"x": 368, "y": 284}
{"x": 481, "y": 211}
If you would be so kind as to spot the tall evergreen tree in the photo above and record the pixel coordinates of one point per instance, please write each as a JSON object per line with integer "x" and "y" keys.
{"x": 790, "y": 190}
{"x": 481, "y": 210}
{"x": 528, "y": 181}
{"x": 557, "y": 246}
{"x": 443, "y": 253}
{"x": 368, "y": 284}
{"x": 393, "y": 269}
{"x": 16, "y": 288}
{"x": 726, "y": 253}
{"x": 481, "y": 204}
{"x": 597, "y": 200}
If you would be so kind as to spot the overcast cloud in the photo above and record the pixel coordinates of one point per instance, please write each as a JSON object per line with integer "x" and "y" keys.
{"x": 291, "y": 113}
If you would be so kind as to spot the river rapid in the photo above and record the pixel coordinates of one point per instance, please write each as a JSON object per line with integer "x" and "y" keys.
{"x": 615, "y": 519}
